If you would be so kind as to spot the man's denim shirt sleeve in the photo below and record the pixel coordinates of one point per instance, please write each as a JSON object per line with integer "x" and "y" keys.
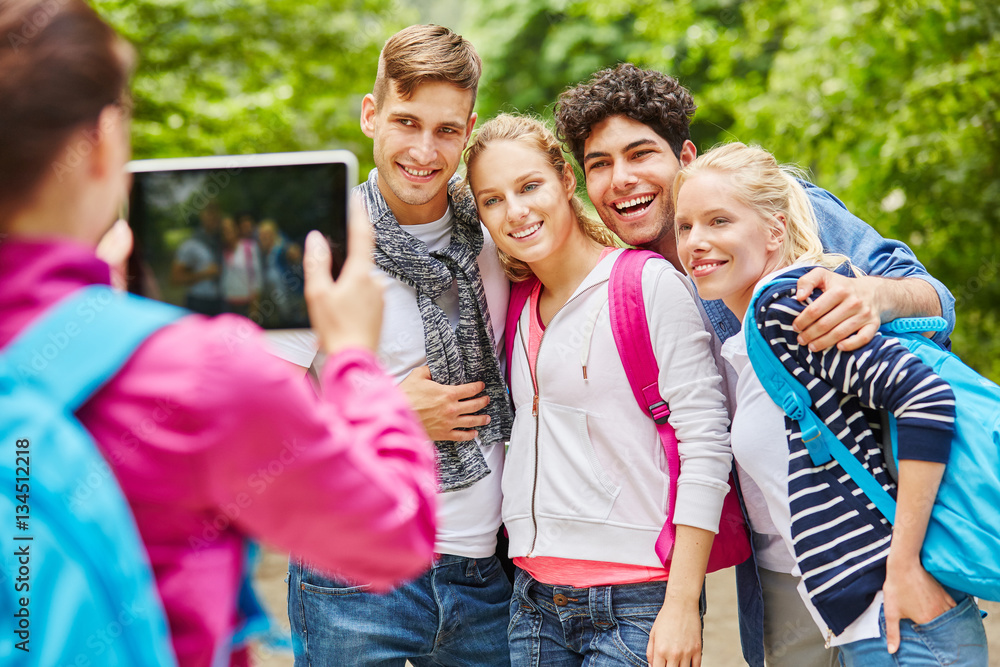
{"x": 843, "y": 232}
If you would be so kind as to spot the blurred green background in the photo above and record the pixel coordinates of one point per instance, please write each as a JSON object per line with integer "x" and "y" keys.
{"x": 894, "y": 106}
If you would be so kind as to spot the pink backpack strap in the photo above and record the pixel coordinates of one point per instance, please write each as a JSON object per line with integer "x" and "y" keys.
{"x": 631, "y": 332}
{"x": 519, "y": 295}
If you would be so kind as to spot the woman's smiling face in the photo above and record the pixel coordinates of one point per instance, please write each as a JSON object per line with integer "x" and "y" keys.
{"x": 523, "y": 201}
{"x": 724, "y": 245}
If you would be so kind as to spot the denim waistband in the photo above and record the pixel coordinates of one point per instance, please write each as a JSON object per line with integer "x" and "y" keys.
{"x": 601, "y": 603}
{"x": 441, "y": 560}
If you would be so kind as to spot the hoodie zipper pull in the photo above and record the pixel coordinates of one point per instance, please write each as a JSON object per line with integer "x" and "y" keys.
{"x": 534, "y": 406}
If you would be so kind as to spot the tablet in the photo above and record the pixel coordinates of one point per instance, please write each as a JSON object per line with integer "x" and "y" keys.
{"x": 225, "y": 234}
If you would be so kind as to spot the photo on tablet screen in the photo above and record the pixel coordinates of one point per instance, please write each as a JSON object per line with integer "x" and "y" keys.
{"x": 226, "y": 234}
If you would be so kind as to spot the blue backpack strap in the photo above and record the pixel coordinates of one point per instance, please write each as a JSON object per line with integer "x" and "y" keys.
{"x": 256, "y": 623}
{"x": 790, "y": 395}
{"x": 793, "y": 398}
{"x": 914, "y": 325}
{"x": 76, "y": 346}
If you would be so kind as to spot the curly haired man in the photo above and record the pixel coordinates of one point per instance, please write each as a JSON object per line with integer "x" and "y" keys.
{"x": 628, "y": 129}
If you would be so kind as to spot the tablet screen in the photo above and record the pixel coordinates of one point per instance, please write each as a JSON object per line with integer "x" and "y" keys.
{"x": 226, "y": 234}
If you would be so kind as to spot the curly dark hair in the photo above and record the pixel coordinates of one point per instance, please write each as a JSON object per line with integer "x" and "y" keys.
{"x": 646, "y": 96}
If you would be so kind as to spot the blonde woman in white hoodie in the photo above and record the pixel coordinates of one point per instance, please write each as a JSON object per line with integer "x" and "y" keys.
{"x": 585, "y": 481}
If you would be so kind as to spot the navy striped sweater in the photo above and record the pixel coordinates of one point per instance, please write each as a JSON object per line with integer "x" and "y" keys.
{"x": 840, "y": 540}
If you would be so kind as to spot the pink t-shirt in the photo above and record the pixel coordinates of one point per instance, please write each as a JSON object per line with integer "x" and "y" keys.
{"x": 570, "y": 571}
{"x": 213, "y": 439}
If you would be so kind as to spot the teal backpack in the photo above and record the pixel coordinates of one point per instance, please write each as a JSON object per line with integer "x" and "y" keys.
{"x": 82, "y": 581}
{"x": 74, "y": 576}
{"x": 962, "y": 545}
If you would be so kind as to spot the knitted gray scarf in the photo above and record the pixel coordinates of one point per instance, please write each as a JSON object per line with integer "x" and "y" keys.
{"x": 454, "y": 357}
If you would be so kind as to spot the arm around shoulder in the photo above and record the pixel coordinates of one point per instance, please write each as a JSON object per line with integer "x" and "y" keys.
{"x": 843, "y": 232}
{"x": 883, "y": 374}
{"x": 851, "y": 309}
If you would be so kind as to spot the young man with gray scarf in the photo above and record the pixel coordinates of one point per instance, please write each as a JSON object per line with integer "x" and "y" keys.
{"x": 445, "y": 300}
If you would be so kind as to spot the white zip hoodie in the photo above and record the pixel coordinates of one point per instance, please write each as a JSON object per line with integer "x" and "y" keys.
{"x": 586, "y": 476}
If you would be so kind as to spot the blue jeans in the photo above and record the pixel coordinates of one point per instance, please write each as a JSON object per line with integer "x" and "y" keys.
{"x": 453, "y": 615}
{"x": 601, "y": 626}
{"x": 955, "y": 638}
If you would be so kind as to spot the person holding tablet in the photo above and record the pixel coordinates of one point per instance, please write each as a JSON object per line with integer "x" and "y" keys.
{"x": 202, "y": 418}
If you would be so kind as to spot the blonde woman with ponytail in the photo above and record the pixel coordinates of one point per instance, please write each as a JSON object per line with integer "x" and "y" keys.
{"x": 742, "y": 220}
{"x": 585, "y": 477}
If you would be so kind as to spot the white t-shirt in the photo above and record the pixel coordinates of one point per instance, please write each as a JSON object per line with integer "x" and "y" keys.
{"x": 241, "y": 279}
{"x": 468, "y": 519}
{"x": 760, "y": 447}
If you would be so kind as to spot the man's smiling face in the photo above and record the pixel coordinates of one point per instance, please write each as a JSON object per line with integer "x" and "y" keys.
{"x": 418, "y": 145}
{"x": 630, "y": 171}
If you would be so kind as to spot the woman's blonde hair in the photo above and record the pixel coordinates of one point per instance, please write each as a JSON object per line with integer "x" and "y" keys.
{"x": 534, "y": 133}
{"x": 769, "y": 189}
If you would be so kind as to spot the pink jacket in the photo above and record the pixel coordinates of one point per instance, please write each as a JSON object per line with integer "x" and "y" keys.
{"x": 212, "y": 439}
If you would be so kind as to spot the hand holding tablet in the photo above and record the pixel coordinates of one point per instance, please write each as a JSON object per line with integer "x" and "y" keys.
{"x": 346, "y": 312}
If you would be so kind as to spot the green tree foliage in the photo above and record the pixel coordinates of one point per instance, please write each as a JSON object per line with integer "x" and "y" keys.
{"x": 893, "y": 105}
{"x": 533, "y": 50}
{"x": 252, "y": 76}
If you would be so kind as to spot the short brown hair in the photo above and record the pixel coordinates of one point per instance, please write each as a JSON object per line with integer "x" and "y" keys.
{"x": 533, "y": 133}
{"x": 423, "y": 53}
{"x": 647, "y": 96}
{"x": 60, "y": 66}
